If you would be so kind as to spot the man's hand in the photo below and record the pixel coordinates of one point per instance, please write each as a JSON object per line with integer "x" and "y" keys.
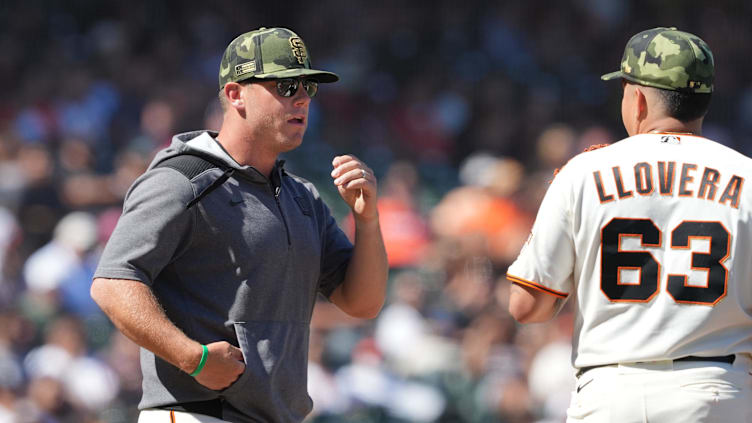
{"x": 357, "y": 186}
{"x": 363, "y": 290}
{"x": 224, "y": 365}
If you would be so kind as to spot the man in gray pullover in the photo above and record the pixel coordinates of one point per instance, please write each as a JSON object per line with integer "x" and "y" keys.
{"x": 217, "y": 259}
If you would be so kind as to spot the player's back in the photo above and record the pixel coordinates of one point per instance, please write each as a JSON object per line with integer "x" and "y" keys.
{"x": 662, "y": 231}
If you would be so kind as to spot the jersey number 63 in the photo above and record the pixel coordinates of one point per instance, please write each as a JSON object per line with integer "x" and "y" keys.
{"x": 614, "y": 259}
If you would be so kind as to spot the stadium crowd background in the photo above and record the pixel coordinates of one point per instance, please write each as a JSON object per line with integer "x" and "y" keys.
{"x": 463, "y": 109}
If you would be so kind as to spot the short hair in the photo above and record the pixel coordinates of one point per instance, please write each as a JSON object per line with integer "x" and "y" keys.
{"x": 222, "y": 99}
{"x": 683, "y": 105}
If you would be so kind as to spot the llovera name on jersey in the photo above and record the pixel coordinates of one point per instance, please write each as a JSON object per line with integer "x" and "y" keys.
{"x": 670, "y": 178}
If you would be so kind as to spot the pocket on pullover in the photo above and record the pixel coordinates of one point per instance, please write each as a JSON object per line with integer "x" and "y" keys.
{"x": 274, "y": 384}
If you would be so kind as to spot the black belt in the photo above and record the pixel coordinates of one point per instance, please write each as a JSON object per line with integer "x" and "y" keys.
{"x": 211, "y": 408}
{"x": 719, "y": 359}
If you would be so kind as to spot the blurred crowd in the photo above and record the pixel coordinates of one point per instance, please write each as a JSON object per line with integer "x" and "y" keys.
{"x": 463, "y": 109}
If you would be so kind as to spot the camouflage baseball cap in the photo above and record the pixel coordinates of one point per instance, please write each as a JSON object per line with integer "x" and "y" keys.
{"x": 268, "y": 53}
{"x": 669, "y": 59}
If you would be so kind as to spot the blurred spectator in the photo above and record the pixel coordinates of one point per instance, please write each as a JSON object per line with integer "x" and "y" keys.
{"x": 404, "y": 335}
{"x": 401, "y": 329}
{"x": 550, "y": 374}
{"x": 39, "y": 205}
{"x": 367, "y": 383}
{"x": 122, "y": 355}
{"x": 10, "y": 236}
{"x": 11, "y": 379}
{"x": 61, "y": 270}
{"x": 555, "y": 147}
{"x": 405, "y": 230}
{"x": 157, "y": 127}
{"x": 484, "y": 210}
{"x": 12, "y": 179}
{"x": 593, "y": 135}
{"x": 85, "y": 106}
{"x": 44, "y": 402}
{"x": 85, "y": 383}
{"x": 322, "y": 387}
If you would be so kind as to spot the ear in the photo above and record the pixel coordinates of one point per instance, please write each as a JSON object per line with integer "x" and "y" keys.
{"x": 641, "y": 104}
{"x": 234, "y": 95}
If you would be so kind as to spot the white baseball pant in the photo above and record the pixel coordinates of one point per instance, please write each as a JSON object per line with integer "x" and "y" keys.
{"x": 169, "y": 416}
{"x": 664, "y": 392}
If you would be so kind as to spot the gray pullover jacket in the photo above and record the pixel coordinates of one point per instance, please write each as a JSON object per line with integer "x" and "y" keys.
{"x": 244, "y": 265}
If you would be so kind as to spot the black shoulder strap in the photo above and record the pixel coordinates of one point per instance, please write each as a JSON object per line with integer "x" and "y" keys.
{"x": 191, "y": 165}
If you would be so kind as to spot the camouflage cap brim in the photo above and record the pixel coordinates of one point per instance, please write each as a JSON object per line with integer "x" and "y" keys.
{"x": 612, "y": 75}
{"x": 630, "y": 78}
{"x": 622, "y": 75}
{"x": 318, "y": 75}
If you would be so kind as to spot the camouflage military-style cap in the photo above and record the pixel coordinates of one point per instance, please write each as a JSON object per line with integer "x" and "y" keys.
{"x": 669, "y": 59}
{"x": 268, "y": 53}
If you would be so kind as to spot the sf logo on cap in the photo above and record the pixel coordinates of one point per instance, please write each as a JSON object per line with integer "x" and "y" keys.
{"x": 298, "y": 49}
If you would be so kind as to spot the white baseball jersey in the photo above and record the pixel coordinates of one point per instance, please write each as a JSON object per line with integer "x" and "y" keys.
{"x": 653, "y": 237}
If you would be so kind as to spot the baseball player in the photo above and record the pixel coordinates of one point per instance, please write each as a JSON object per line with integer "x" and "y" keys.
{"x": 652, "y": 238}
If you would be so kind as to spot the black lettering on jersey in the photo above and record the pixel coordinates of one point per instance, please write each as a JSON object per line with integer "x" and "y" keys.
{"x": 605, "y": 198}
{"x": 686, "y": 179}
{"x": 643, "y": 178}
{"x": 666, "y": 177}
{"x": 619, "y": 184}
{"x": 733, "y": 191}
{"x": 708, "y": 184}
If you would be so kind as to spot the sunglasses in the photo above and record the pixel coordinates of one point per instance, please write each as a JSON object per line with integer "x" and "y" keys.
{"x": 287, "y": 87}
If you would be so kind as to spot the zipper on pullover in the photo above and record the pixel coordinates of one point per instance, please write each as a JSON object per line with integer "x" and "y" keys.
{"x": 277, "y": 191}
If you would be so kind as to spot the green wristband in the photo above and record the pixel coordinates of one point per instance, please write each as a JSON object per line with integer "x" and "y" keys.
{"x": 204, "y": 355}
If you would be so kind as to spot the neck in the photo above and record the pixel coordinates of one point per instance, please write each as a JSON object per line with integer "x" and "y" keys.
{"x": 245, "y": 151}
{"x": 669, "y": 124}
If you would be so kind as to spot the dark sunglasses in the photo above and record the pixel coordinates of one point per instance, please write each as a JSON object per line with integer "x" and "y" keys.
{"x": 287, "y": 87}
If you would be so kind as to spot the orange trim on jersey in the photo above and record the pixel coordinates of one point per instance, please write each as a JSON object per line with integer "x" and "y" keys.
{"x": 642, "y": 239}
{"x": 536, "y": 286}
{"x": 677, "y": 133}
{"x": 618, "y": 275}
{"x": 172, "y": 416}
